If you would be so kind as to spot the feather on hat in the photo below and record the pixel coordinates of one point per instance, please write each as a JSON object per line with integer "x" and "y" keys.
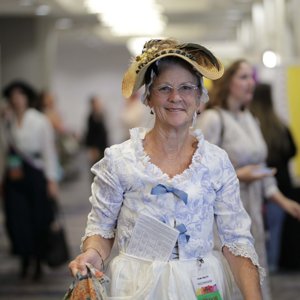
{"x": 203, "y": 61}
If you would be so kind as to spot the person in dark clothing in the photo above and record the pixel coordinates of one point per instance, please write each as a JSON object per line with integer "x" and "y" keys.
{"x": 29, "y": 176}
{"x": 96, "y": 136}
{"x": 284, "y": 232}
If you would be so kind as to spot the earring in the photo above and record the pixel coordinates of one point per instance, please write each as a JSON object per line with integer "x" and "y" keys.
{"x": 194, "y": 119}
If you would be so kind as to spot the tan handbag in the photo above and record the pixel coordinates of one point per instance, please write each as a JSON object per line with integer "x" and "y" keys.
{"x": 91, "y": 286}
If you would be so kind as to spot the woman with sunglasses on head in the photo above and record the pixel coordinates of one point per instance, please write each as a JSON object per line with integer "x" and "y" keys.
{"x": 227, "y": 122}
{"x": 157, "y": 194}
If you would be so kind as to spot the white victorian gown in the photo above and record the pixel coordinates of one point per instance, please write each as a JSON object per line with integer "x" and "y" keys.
{"x": 122, "y": 191}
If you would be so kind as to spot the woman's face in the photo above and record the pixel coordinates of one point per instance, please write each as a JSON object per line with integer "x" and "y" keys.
{"x": 242, "y": 84}
{"x": 48, "y": 100}
{"x": 173, "y": 96}
{"x": 18, "y": 100}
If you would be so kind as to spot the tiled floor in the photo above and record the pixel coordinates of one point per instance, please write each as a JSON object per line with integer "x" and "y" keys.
{"x": 75, "y": 206}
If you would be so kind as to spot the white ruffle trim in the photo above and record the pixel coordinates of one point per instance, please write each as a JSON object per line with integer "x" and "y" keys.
{"x": 249, "y": 252}
{"x": 105, "y": 235}
{"x": 138, "y": 134}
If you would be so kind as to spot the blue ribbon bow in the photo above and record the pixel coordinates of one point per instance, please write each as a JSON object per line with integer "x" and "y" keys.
{"x": 183, "y": 237}
{"x": 162, "y": 189}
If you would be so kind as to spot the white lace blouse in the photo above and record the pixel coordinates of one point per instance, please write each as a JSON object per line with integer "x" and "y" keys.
{"x": 35, "y": 136}
{"x": 121, "y": 191}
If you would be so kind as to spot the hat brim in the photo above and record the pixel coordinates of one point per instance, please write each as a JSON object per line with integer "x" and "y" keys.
{"x": 132, "y": 80}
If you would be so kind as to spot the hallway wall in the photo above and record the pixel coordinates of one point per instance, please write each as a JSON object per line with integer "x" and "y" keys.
{"x": 69, "y": 66}
{"x": 82, "y": 70}
{"x": 18, "y": 50}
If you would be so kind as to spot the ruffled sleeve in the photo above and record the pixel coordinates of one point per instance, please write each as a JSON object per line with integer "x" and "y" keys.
{"x": 106, "y": 198}
{"x": 232, "y": 220}
{"x": 269, "y": 186}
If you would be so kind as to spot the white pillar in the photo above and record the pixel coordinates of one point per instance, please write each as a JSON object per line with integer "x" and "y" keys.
{"x": 280, "y": 29}
{"x": 294, "y": 22}
{"x": 47, "y": 45}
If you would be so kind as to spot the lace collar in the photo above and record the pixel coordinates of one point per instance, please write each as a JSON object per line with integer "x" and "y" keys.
{"x": 137, "y": 136}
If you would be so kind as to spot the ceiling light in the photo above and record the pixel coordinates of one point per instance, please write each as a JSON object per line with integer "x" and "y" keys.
{"x": 42, "y": 10}
{"x": 135, "y": 45}
{"x": 270, "y": 59}
{"x": 129, "y": 17}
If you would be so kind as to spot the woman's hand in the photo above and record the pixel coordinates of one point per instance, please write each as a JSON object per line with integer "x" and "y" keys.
{"x": 251, "y": 173}
{"x": 288, "y": 205}
{"x": 96, "y": 250}
{"x": 79, "y": 263}
{"x": 52, "y": 189}
{"x": 292, "y": 208}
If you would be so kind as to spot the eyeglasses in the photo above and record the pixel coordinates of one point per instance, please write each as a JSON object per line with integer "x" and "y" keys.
{"x": 184, "y": 90}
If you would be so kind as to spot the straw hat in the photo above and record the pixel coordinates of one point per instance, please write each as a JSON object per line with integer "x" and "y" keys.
{"x": 203, "y": 61}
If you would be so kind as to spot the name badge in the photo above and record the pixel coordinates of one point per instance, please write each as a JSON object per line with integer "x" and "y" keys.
{"x": 205, "y": 285}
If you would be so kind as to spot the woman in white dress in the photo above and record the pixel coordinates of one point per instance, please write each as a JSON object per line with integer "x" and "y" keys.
{"x": 227, "y": 122}
{"x": 29, "y": 176}
{"x": 157, "y": 194}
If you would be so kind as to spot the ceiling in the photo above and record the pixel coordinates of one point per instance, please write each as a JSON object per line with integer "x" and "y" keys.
{"x": 214, "y": 22}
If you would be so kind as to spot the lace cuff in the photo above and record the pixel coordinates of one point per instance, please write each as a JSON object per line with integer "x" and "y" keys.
{"x": 249, "y": 252}
{"x": 106, "y": 235}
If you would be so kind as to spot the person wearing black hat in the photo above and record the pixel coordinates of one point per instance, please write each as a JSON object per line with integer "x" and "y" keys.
{"x": 157, "y": 194}
{"x": 29, "y": 176}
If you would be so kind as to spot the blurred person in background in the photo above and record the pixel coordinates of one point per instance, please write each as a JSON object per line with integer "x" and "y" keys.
{"x": 227, "y": 122}
{"x": 66, "y": 140}
{"x": 4, "y": 114}
{"x": 135, "y": 114}
{"x": 96, "y": 139}
{"x": 47, "y": 105}
{"x": 281, "y": 149}
{"x": 29, "y": 178}
{"x": 171, "y": 177}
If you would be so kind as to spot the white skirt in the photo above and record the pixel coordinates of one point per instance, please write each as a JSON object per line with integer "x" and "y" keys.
{"x": 140, "y": 279}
